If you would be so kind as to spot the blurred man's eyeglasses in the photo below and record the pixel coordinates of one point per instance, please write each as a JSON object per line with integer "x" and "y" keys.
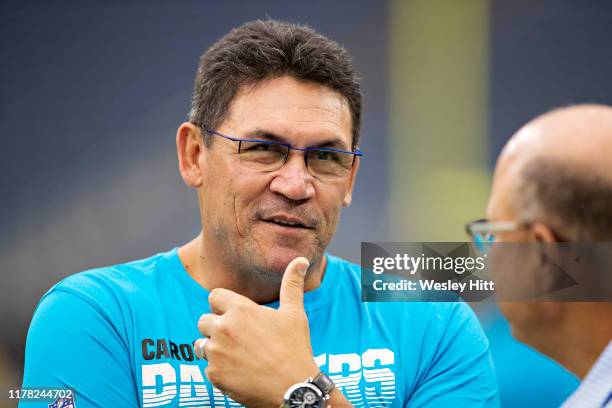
{"x": 482, "y": 232}
{"x": 324, "y": 163}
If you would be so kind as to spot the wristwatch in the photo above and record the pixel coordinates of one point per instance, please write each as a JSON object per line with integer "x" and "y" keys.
{"x": 310, "y": 394}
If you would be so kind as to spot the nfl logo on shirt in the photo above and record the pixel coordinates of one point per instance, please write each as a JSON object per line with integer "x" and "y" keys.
{"x": 63, "y": 403}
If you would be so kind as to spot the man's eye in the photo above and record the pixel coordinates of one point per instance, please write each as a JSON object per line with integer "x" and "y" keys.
{"x": 261, "y": 146}
{"x": 325, "y": 155}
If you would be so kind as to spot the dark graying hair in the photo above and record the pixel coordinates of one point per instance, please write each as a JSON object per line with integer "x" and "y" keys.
{"x": 573, "y": 201}
{"x": 260, "y": 50}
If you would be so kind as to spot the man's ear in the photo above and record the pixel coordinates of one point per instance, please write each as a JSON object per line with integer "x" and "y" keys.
{"x": 189, "y": 148}
{"x": 542, "y": 233}
{"x": 348, "y": 196}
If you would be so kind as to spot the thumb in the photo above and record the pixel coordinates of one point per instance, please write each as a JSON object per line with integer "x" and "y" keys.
{"x": 292, "y": 285}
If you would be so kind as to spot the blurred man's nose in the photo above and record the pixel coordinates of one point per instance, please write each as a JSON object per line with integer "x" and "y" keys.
{"x": 294, "y": 180}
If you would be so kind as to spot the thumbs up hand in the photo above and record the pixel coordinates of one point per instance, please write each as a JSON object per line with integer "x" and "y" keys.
{"x": 255, "y": 353}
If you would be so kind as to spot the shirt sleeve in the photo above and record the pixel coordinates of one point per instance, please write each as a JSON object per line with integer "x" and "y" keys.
{"x": 461, "y": 372}
{"x": 73, "y": 344}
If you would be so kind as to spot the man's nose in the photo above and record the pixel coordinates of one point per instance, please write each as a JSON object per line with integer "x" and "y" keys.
{"x": 294, "y": 180}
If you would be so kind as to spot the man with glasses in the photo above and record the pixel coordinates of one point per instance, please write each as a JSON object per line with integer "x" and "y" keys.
{"x": 253, "y": 311}
{"x": 552, "y": 184}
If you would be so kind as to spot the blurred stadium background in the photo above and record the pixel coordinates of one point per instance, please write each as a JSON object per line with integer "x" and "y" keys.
{"x": 92, "y": 93}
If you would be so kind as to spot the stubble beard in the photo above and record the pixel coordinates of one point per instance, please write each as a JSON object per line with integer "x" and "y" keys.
{"x": 244, "y": 257}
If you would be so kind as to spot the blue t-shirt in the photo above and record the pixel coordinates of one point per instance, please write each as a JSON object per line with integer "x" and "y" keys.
{"x": 123, "y": 336}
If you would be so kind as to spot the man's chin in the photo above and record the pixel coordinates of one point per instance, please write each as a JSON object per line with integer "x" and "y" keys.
{"x": 278, "y": 258}
{"x": 521, "y": 320}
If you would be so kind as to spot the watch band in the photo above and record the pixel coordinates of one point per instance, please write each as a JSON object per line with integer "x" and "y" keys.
{"x": 324, "y": 383}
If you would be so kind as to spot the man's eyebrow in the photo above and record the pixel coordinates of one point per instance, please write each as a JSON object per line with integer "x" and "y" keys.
{"x": 334, "y": 142}
{"x": 266, "y": 135}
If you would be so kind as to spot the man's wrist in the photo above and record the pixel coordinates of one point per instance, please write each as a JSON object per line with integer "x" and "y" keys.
{"x": 314, "y": 391}
{"x": 324, "y": 383}
{"x": 289, "y": 379}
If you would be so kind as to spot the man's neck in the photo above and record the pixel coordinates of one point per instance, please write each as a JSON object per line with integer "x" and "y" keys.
{"x": 211, "y": 272}
{"x": 581, "y": 358}
{"x": 582, "y": 340}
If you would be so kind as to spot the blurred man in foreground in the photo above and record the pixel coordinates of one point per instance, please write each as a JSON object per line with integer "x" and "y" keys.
{"x": 553, "y": 182}
{"x": 272, "y": 151}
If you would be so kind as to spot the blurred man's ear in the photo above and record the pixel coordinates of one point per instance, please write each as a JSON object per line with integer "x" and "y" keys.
{"x": 189, "y": 148}
{"x": 348, "y": 197}
{"x": 542, "y": 233}
{"x": 549, "y": 276}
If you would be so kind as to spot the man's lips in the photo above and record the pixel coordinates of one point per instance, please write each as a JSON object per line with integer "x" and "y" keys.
{"x": 289, "y": 221}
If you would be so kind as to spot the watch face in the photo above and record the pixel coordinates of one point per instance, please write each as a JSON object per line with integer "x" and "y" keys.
{"x": 306, "y": 396}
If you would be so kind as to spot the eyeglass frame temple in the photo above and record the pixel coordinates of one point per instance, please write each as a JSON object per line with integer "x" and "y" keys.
{"x": 490, "y": 226}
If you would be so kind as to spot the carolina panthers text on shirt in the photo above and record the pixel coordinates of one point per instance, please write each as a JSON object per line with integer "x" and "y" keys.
{"x": 366, "y": 380}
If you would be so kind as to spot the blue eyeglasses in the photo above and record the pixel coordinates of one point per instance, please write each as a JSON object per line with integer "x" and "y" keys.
{"x": 482, "y": 232}
{"x": 266, "y": 156}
